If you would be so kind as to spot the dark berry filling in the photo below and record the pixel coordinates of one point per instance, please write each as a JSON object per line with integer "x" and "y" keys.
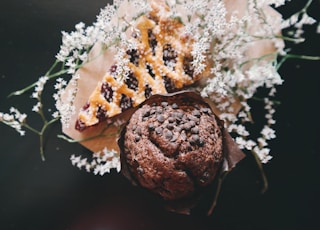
{"x": 106, "y": 91}
{"x": 150, "y": 71}
{"x": 131, "y": 81}
{"x": 80, "y": 125}
{"x": 147, "y": 91}
{"x": 125, "y": 102}
{"x": 133, "y": 56}
{"x": 169, "y": 85}
{"x": 187, "y": 66}
{"x": 113, "y": 70}
{"x": 101, "y": 114}
{"x": 169, "y": 55}
{"x": 152, "y": 41}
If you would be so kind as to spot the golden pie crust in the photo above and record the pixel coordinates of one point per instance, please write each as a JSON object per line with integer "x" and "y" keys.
{"x": 161, "y": 63}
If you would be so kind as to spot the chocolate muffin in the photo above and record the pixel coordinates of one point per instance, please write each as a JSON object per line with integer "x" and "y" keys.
{"x": 172, "y": 145}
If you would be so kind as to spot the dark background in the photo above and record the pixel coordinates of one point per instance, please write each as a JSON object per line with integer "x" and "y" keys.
{"x": 55, "y": 195}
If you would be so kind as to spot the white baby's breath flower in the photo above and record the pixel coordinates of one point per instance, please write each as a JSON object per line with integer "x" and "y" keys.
{"x": 234, "y": 79}
{"x": 262, "y": 142}
{"x": 36, "y": 107}
{"x": 102, "y": 162}
{"x": 241, "y": 142}
{"x": 268, "y": 133}
{"x": 263, "y": 154}
{"x": 39, "y": 87}
{"x": 64, "y": 99}
{"x": 14, "y": 119}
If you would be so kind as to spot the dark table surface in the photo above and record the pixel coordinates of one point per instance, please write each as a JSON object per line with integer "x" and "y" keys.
{"x": 55, "y": 195}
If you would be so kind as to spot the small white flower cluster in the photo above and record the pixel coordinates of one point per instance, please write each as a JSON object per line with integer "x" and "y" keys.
{"x": 14, "y": 119}
{"x": 243, "y": 140}
{"x": 74, "y": 48}
{"x": 297, "y": 21}
{"x": 101, "y": 163}
{"x": 221, "y": 38}
{"x": 38, "y": 89}
{"x": 64, "y": 99}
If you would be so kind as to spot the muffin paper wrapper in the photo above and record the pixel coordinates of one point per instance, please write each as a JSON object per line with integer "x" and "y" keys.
{"x": 232, "y": 153}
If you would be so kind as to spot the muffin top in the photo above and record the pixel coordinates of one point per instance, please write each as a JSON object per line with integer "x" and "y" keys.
{"x": 173, "y": 147}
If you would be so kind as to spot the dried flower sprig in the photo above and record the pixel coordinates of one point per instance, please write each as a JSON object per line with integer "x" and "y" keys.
{"x": 102, "y": 162}
{"x": 237, "y": 77}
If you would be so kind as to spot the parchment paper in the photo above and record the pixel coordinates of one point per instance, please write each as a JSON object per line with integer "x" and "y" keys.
{"x": 91, "y": 73}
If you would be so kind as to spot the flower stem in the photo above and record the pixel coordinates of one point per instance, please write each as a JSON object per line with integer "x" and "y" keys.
{"x": 218, "y": 190}
{"x": 31, "y": 129}
{"x": 70, "y": 140}
{"x": 297, "y": 56}
{"x": 31, "y": 86}
{"x": 41, "y": 136}
{"x": 263, "y": 175}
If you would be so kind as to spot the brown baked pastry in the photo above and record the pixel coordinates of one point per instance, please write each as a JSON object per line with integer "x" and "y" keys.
{"x": 161, "y": 63}
{"x": 172, "y": 145}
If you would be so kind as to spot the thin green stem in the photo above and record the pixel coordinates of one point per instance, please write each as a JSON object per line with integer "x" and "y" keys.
{"x": 31, "y": 129}
{"x": 297, "y": 56}
{"x": 41, "y": 148}
{"x": 41, "y": 136}
{"x": 40, "y": 112}
{"x": 217, "y": 193}
{"x": 52, "y": 67}
{"x": 29, "y": 87}
{"x": 70, "y": 140}
{"x": 258, "y": 59}
{"x": 263, "y": 175}
{"x": 305, "y": 8}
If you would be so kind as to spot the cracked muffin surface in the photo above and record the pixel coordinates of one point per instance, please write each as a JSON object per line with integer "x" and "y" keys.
{"x": 173, "y": 148}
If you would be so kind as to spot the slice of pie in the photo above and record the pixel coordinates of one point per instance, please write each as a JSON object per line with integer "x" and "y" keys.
{"x": 161, "y": 63}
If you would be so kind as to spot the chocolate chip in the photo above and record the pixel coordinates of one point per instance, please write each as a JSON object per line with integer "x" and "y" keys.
{"x": 159, "y": 109}
{"x": 171, "y": 119}
{"x": 183, "y": 136}
{"x": 174, "y": 137}
{"x": 178, "y": 116}
{"x": 160, "y": 118}
{"x": 201, "y": 142}
{"x": 196, "y": 113}
{"x": 164, "y": 103}
{"x": 137, "y": 138}
{"x": 194, "y": 139}
{"x": 192, "y": 123}
{"x": 151, "y": 126}
{"x": 152, "y": 111}
{"x": 170, "y": 126}
{"x": 168, "y": 134}
{"x": 177, "y": 129}
{"x": 175, "y": 106}
{"x": 186, "y": 126}
{"x": 195, "y": 130}
{"x": 193, "y": 118}
{"x": 206, "y": 110}
{"x": 158, "y": 130}
{"x": 147, "y": 114}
